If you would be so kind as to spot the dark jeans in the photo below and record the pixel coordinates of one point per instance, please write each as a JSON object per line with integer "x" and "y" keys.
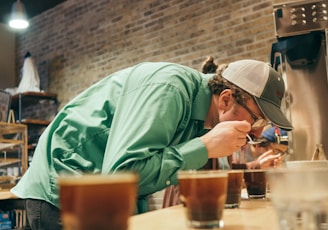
{"x": 42, "y": 215}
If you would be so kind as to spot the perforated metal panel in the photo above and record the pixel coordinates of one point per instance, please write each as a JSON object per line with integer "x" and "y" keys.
{"x": 300, "y": 17}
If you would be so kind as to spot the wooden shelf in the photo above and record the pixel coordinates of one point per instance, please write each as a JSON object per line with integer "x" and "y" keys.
{"x": 35, "y": 122}
{"x": 31, "y": 98}
{"x": 11, "y": 128}
{"x": 35, "y": 110}
{"x": 5, "y": 145}
{"x": 12, "y": 135}
{"x": 13, "y": 141}
{"x": 9, "y": 161}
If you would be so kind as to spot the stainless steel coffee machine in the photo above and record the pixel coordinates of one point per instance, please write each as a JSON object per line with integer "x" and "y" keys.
{"x": 300, "y": 54}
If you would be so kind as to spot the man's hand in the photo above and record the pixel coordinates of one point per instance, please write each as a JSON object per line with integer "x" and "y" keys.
{"x": 226, "y": 138}
{"x": 268, "y": 160}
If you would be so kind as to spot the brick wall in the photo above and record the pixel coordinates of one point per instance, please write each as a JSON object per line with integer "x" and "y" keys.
{"x": 79, "y": 42}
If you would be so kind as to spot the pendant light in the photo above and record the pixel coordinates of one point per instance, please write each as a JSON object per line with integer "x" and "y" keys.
{"x": 18, "y": 19}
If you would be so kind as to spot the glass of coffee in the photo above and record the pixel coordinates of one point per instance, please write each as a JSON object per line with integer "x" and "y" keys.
{"x": 235, "y": 184}
{"x": 239, "y": 159}
{"x": 256, "y": 183}
{"x": 203, "y": 194}
{"x": 97, "y": 201}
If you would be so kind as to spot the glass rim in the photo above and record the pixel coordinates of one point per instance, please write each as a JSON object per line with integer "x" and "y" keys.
{"x": 255, "y": 170}
{"x": 233, "y": 170}
{"x": 92, "y": 179}
{"x": 199, "y": 173}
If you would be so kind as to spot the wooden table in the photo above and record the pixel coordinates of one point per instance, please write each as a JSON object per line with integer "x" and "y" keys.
{"x": 251, "y": 215}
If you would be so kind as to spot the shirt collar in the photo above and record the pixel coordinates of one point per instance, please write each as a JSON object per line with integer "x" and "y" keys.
{"x": 202, "y": 100}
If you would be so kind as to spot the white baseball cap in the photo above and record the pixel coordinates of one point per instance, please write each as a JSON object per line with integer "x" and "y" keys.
{"x": 264, "y": 84}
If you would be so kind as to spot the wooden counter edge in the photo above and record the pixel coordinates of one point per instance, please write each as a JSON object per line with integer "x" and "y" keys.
{"x": 6, "y": 194}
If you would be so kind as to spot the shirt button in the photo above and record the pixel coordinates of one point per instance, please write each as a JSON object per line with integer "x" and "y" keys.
{"x": 168, "y": 182}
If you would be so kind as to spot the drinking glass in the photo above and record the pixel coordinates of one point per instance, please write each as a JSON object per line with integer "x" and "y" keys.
{"x": 97, "y": 201}
{"x": 300, "y": 197}
{"x": 203, "y": 194}
{"x": 256, "y": 183}
{"x": 235, "y": 184}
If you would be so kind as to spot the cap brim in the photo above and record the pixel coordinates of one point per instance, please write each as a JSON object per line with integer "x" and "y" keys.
{"x": 274, "y": 114}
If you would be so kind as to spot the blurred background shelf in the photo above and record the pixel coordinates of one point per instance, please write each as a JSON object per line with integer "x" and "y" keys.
{"x": 13, "y": 148}
{"x": 36, "y": 110}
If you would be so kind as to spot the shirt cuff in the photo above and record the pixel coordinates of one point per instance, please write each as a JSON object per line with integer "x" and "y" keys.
{"x": 194, "y": 154}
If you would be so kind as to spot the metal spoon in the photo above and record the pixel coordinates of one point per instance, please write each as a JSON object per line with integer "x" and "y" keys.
{"x": 251, "y": 141}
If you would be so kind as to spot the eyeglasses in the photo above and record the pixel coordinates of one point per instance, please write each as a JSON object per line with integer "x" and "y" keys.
{"x": 259, "y": 122}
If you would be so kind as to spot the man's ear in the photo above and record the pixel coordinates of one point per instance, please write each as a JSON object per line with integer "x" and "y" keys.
{"x": 225, "y": 100}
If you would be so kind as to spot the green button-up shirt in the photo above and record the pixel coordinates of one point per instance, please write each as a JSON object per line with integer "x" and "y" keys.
{"x": 146, "y": 118}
